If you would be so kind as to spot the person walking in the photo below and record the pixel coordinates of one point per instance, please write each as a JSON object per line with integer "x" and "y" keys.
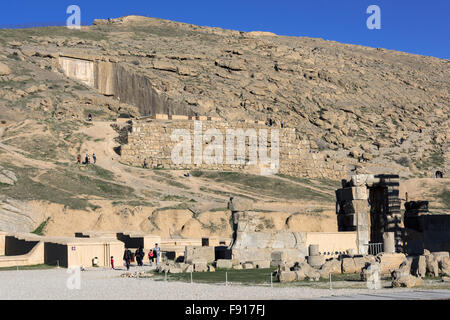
{"x": 79, "y": 159}
{"x": 112, "y": 262}
{"x": 127, "y": 258}
{"x": 94, "y": 158}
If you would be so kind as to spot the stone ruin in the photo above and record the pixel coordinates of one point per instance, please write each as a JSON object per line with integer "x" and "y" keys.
{"x": 370, "y": 205}
{"x": 425, "y": 231}
{"x": 250, "y": 245}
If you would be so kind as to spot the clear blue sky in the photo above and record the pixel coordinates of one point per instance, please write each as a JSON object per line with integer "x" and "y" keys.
{"x": 415, "y": 26}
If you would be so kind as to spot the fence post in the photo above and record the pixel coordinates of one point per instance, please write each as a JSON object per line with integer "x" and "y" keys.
{"x": 226, "y": 278}
{"x": 271, "y": 281}
{"x": 331, "y": 287}
{"x": 165, "y": 275}
{"x": 191, "y": 278}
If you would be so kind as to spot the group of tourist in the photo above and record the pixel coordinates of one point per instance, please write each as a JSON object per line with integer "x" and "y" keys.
{"x": 87, "y": 159}
{"x": 128, "y": 257}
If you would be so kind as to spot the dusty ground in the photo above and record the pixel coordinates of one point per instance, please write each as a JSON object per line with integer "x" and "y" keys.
{"x": 107, "y": 284}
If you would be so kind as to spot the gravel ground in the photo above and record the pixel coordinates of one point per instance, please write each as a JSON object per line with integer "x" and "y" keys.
{"x": 107, "y": 284}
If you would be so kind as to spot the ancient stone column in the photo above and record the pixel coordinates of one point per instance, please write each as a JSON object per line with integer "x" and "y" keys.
{"x": 313, "y": 250}
{"x": 354, "y": 210}
{"x": 389, "y": 242}
{"x": 315, "y": 260}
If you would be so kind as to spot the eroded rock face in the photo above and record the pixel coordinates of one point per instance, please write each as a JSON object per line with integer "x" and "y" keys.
{"x": 334, "y": 93}
{"x": 240, "y": 204}
{"x": 19, "y": 216}
{"x": 7, "y": 176}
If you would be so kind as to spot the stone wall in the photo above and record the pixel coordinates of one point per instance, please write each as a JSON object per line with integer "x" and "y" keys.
{"x": 298, "y": 156}
{"x": 427, "y": 231}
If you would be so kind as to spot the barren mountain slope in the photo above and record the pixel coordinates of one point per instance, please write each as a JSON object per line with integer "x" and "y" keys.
{"x": 388, "y": 108}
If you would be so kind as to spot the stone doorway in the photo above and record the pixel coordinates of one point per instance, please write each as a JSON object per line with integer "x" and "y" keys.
{"x": 369, "y": 204}
{"x": 377, "y": 221}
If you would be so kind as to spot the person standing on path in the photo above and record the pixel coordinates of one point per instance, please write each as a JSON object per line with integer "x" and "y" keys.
{"x": 150, "y": 257}
{"x": 127, "y": 258}
{"x": 94, "y": 158}
{"x": 112, "y": 262}
{"x": 156, "y": 252}
{"x": 79, "y": 159}
{"x": 140, "y": 256}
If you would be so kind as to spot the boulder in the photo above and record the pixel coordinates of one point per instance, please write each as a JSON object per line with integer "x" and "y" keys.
{"x": 403, "y": 271}
{"x": 4, "y": 70}
{"x": 440, "y": 255}
{"x": 193, "y": 253}
{"x": 432, "y": 265}
{"x": 238, "y": 267}
{"x": 286, "y": 276}
{"x": 332, "y": 266}
{"x": 247, "y": 265}
{"x": 316, "y": 261}
{"x": 361, "y": 262}
{"x": 402, "y": 276}
{"x": 348, "y": 266}
{"x": 211, "y": 268}
{"x": 308, "y": 271}
{"x": 408, "y": 281}
{"x": 32, "y": 89}
{"x": 390, "y": 261}
{"x": 299, "y": 275}
{"x": 98, "y": 22}
{"x": 224, "y": 264}
{"x": 445, "y": 266}
{"x": 284, "y": 267}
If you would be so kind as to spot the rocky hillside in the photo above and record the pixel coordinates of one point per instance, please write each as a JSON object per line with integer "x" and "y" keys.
{"x": 371, "y": 109}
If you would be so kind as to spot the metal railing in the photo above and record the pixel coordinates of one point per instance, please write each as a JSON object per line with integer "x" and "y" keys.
{"x": 374, "y": 248}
